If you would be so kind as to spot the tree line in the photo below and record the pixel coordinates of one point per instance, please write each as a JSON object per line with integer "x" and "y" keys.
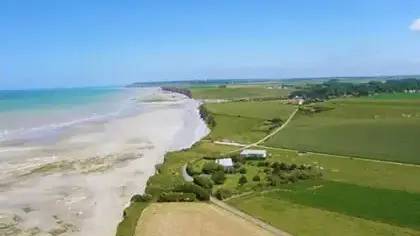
{"x": 336, "y": 88}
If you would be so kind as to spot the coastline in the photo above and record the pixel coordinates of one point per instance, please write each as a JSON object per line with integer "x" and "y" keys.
{"x": 133, "y": 210}
{"x": 81, "y": 183}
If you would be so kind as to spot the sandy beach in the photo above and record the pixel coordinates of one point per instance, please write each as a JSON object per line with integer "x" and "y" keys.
{"x": 80, "y": 183}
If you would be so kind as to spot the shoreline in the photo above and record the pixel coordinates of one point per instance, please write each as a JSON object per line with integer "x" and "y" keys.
{"x": 80, "y": 183}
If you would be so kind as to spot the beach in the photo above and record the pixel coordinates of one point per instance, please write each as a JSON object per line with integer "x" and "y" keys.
{"x": 79, "y": 182}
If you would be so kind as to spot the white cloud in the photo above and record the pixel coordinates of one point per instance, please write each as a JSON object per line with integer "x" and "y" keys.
{"x": 415, "y": 25}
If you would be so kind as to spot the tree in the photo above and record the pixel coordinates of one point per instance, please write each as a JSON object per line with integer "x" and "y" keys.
{"x": 203, "y": 181}
{"x": 201, "y": 193}
{"x": 211, "y": 167}
{"x": 242, "y": 180}
{"x": 242, "y": 170}
{"x": 223, "y": 193}
{"x": 256, "y": 178}
{"x": 218, "y": 177}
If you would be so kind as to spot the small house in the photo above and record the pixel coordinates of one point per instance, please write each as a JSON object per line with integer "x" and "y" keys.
{"x": 227, "y": 163}
{"x": 249, "y": 153}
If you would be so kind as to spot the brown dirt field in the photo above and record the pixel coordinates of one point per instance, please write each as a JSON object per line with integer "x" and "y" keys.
{"x": 193, "y": 219}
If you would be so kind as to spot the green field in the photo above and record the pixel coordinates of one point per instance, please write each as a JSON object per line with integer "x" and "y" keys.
{"x": 382, "y": 205}
{"x": 246, "y": 122}
{"x": 356, "y": 171}
{"x": 364, "y": 127}
{"x": 238, "y": 91}
{"x": 302, "y": 220}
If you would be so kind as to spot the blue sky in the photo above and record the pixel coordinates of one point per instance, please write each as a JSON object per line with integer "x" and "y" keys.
{"x": 49, "y": 43}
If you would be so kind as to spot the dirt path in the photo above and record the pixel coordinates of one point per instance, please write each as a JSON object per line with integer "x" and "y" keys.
{"x": 263, "y": 139}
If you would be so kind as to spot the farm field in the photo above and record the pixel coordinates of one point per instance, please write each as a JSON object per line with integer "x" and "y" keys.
{"x": 191, "y": 219}
{"x": 355, "y": 171}
{"x": 381, "y": 129}
{"x": 238, "y": 91}
{"x": 303, "y": 220}
{"x": 247, "y": 121}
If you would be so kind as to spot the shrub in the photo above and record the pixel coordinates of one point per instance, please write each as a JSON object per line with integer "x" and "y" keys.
{"x": 200, "y": 192}
{"x": 191, "y": 170}
{"x": 211, "y": 167}
{"x": 283, "y": 166}
{"x": 256, "y": 178}
{"x": 267, "y": 170}
{"x": 292, "y": 166}
{"x": 242, "y": 180}
{"x": 141, "y": 198}
{"x": 218, "y": 177}
{"x": 261, "y": 164}
{"x": 223, "y": 193}
{"x": 204, "y": 182}
{"x": 237, "y": 165}
{"x": 176, "y": 197}
{"x": 301, "y": 167}
{"x": 242, "y": 170}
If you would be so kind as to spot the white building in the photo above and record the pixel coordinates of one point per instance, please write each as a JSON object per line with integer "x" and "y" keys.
{"x": 249, "y": 153}
{"x": 227, "y": 163}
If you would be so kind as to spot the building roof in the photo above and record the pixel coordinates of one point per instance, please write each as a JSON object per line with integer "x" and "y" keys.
{"x": 225, "y": 162}
{"x": 253, "y": 152}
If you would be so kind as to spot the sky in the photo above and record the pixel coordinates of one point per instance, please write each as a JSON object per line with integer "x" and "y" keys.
{"x": 49, "y": 43}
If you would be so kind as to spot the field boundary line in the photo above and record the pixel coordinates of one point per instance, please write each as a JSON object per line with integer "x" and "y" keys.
{"x": 344, "y": 157}
{"x": 249, "y": 218}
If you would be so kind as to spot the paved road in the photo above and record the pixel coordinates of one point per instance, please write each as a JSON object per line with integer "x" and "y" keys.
{"x": 249, "y": 218}
{"x": 185, "y": 174}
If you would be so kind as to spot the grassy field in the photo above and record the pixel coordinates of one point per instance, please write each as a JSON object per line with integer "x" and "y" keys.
{"x": 382, "y": 205}
{"x": 236, "y": 92}
{"x": 302, "y": 220}
{"x": 356, "y": 171}
{"x": 191, "y": 219}
{"x": 382, "y": 129}
{"x": 246, "y": 121}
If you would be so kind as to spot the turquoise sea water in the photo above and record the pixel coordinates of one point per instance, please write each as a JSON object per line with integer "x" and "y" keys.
{"x": 34, "y": 113}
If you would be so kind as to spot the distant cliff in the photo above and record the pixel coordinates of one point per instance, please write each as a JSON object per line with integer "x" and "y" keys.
{"x": 184, "y": 91}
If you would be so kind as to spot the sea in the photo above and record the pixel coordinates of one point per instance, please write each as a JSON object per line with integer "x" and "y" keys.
{"x": 36, "y": 115}
{"x": 70, "y": 159}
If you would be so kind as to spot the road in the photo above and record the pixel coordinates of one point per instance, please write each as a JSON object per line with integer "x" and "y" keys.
{"x": 249, "y": 218}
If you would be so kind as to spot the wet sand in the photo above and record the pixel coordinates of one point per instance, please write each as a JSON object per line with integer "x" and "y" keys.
{"x": 79, "y": 183}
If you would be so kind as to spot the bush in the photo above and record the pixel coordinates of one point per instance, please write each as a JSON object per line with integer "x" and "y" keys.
{"x": 267, "y": 170}
{"x": 256, "y": 178}
{"x": 292, "y": 166}
{"x": 223, "y": 193}
{"x": 261, "y": 164}
{"x": 141, "y": 198}
{"x": 191, "y": 170}
{"x": 176, "y": 197}
{"x": 218, "y": 177}
{"x": 204, "y": 182}
{"x": 237, "y": 165}
{"x": 242, "y": 170}
{"x": 201, "y": 193}
{"x": 242, "y": 180}
{"x": 211, "y": 167}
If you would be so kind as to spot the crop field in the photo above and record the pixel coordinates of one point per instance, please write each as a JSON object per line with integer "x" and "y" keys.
{"x": 246, "y": 121}
{"x": 371, "y": 128}
{"x": 382, "y": 205}
{"x": 304, "y": 220}
{"x": 191, "y": 219}
{"x": 236, "y": 92}
{"x": 356, "y": 171}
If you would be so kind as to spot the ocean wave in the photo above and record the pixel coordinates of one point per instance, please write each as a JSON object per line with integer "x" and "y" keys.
{"x": 129, "y": 107}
